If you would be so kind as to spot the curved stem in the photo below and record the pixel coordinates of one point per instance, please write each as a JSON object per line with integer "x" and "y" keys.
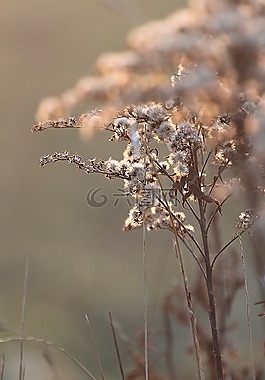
{"x": 226, "y": 246}
{"x": 48, "y": 343}
{"x": 215, "y": 212}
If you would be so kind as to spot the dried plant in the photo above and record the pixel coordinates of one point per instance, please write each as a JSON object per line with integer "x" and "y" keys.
{"x": 186, "y": 99}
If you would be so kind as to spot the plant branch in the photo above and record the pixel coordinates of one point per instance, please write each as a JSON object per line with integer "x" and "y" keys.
{"x": 235, "y": 237}
{"x": 215, "y": 212}
{"x": 21, "y": 374}
{"x": 117, "y": 348}
{"x": 191, "y": 311}
{"x": 95, "y": 347}
{"x": 210, "y": 292}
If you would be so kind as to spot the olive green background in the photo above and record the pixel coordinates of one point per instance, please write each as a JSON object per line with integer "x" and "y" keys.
{"x": 80, "y": 260}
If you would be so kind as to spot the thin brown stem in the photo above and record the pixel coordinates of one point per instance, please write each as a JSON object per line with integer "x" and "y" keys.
{"x": 215, "y": 212}
{"x": 95, "y": 347}
{"x": 117, "y": 348}
{"x": 192, "y": 314}
{"x": 205, "y": 162}
{"x": 250, "y": 336}
{"x": 235, "y": 237}
{"x": 21, "y": 374}
{"x": 210, "y": 292}
{"x": 165, "y": 204}
{"x": 3, "y": 367}
{"x": 193, "y": 254}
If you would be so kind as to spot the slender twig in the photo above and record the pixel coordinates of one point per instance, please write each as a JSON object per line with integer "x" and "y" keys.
{"x": 205, "y": 162}
{"x": 247, "y": 310}
{"x": 117, "y": 348}
{"x": 191, "y": 311}
{"x": 47, "y": 343}
{"x": 192, "y": 210}
{"x": 163, "y": 171}
{"x": 215, "y": 212}
{"x": 221, "y": 282}
{"x": 21, "y": 373}
{"x": 193, "y": 254}
{"x": 146, "y": 361}
{"x": 165, "y": 204}
{"x": 235, "y": 237}
{"x": 3, "y": 367}
{"x": 189, "y": 234}
{"x": 170, "y": 177}
{"x": 145, "y": 304}
{"x": 210, "y": 292}
{"x": 94, "y": 346}
{"x": 192, "y": 315}
{"x": 215, "y": 179}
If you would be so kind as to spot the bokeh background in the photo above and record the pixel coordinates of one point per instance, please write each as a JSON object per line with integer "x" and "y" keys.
{"x": 80, "y": 261}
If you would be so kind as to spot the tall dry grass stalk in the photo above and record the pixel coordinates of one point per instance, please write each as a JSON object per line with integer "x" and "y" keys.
{"x": 191, "y": 85}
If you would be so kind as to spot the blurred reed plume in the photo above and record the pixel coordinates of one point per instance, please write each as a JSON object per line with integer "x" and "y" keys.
{"x": 187, "y": 101}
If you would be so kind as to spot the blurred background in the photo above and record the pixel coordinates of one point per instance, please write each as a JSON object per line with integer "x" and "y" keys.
{"x": 80, "y": 260}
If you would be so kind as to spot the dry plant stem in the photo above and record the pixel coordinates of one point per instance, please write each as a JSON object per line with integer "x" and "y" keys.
{"x": 145, "y": 283}
{"x": 251, "y": 178}
{"x": 221, "y": 275}
{"x": 190, "y": 236}
{"x": 163, "y": 171}
{"x": 94, "y": 346}
{"x": 192, "y": 315}
{"x": 145, "y": 305}
{"x": 248, "y": 311}
{"x": 3, "y": 367}
{"x": 165, "y": 204}
{"x": 215, "y": 179}
{"x": 193, "y": 254}
{"x": 117, "y": 348}
{"x": 210, "y": 292}
{"x": 235, "y": 237}
{"x": 215, "y": 212}
{"x": 21, "y": 374}
{"x": 168, "y": 176}
{"x": 206, "y": 162}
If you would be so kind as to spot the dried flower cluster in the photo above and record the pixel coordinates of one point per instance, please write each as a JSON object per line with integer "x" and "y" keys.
{"x": 245, "y": 220}
{"x": 191, "y": 146}
{"x": 186, "y": 100}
